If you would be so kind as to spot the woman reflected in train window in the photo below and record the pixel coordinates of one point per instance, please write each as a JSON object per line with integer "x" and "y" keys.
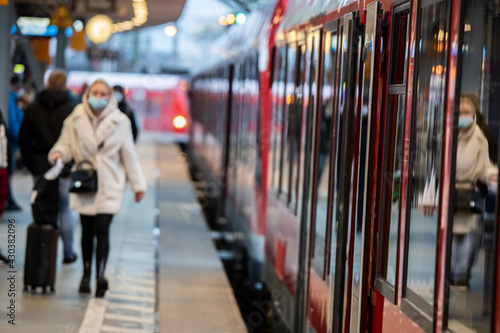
{"x": 474, "y": 171}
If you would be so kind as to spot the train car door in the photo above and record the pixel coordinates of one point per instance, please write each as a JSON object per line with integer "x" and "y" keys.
{"x": 358, "y": 223}
{"x": 320, "y": 215}
{"x": 343, "y": 176}
{"x": 310, "y": 97}
{"x": 413, "y": 173}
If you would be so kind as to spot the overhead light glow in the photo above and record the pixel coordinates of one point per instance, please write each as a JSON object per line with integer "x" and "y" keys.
{"x": 99, "y": 28}
{"x": 241, "y": 18}
{"x": 170, "y": 31}
{"x": 78, "y": 25}
{"x": 230, "y": 19}
{"x": 140, "y": 17}
{"x": 222, "y": 20}
{"x": 19, "y": 69}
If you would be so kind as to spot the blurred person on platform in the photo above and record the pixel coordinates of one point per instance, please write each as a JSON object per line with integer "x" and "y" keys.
{"x": 82, "y": 92}
{"x": 40, "y": 129}
{"x": 4, "y": 173}
{"x": 119, "y": 93}
{"x": 23, "y": 102}
{"x": 97, "y": 133}
{"x": 14, "y": 123}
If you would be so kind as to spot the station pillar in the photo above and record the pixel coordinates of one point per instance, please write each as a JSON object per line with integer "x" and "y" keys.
{"x": 62, "y": 42}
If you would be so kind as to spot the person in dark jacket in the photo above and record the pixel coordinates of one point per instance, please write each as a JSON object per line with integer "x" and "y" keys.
{"x": 40, "y": 129}
{"x": 119, "y": 94}
{"x": 15, "y": 117}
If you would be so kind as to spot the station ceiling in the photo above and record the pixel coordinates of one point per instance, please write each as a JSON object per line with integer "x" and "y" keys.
{"x": 159, "y": 11}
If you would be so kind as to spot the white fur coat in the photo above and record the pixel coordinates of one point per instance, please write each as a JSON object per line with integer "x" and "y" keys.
{"x": 82, "y": 135}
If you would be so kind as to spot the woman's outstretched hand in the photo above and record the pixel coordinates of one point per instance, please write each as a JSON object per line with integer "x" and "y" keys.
{"x": 56, "y": 155}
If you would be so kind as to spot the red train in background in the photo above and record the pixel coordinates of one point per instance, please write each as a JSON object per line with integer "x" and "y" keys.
{"x": 159, "y": 102}
{"x": 329, "y": 134}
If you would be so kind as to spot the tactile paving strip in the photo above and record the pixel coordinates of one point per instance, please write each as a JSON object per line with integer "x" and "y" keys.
{"x": 130, "y": 303}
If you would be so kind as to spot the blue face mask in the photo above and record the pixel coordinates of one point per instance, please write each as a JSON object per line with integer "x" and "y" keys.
{"x": 464, "y": 122}
{"x": 98, "y": 103}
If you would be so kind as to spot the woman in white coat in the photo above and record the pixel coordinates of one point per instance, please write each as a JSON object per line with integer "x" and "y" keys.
{"x": 98, "y": 132}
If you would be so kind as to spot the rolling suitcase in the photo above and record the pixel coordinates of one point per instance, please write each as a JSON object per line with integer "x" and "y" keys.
{"x": 43, "y": 234}
{"x": 41, "y": 255}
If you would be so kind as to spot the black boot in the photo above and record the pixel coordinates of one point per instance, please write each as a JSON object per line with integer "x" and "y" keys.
{"x": 85, "y": 282}
{"x": 101, "y": 282}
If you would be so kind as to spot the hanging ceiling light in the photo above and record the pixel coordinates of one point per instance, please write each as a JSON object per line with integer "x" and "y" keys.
{"x": 140, "y": 17}
{"x": 99, "y": 28}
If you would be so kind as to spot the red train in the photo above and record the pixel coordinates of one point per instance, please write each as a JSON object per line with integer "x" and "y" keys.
{"x": 160, "y": 102}
{"x": 333, "y": 134}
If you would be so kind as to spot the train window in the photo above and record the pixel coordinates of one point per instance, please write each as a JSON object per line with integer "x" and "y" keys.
{"x": 393, "y": 152}
{"x": 288, "y": 115}
{"x": 277, "y": 90}
{"x": 311, "y": 133}
{"x": 296, "y": 126}
{"x": 153, "y": 107}
{"x": 474, "y": 233}
{"x": 425, "y": 160}
{"x": 323, "y": 149}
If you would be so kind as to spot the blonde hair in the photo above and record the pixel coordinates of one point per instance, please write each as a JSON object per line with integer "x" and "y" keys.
{"x": 99, "y": 81}
{"x": 472, "y": 99}
{"x": 57, "y": 80}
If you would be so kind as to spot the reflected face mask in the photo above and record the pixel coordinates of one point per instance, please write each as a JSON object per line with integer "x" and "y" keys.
{"x": 464, "y": 122}
{"x": 118, "y": 96}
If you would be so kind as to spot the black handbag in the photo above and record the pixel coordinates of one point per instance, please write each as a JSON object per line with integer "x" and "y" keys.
{"x": 471, "y": 201}
{"x": 83, "y": 180}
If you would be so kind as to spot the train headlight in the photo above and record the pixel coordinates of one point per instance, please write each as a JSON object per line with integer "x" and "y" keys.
{"x": 180, "y": 122}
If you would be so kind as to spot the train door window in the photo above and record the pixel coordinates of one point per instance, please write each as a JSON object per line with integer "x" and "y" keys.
{"x": 323, "y": 149}
{"x": 258, "y": 128}
{"x": 234, "y": 126}
{"x": 425, "y": 161}
{"x": 310, "y": 94}
{"x": 288, "y": 115}
{"x": 273, "y": 103}
{"x": 254, "y": 101}
{"x": 312, "y": 108}
{"x": 393, "y": 153}
{"x": 277, "y": 89}
{"x": 296, "y": 125}
{"x": 474, "y": 232}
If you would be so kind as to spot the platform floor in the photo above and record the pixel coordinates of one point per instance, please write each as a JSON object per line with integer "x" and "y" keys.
{"x": 164, "y": 272}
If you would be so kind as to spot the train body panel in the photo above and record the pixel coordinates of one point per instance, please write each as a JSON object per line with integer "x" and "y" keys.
{"x": 352, "y": 191}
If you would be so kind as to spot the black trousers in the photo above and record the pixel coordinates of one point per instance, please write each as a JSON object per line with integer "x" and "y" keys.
{"x": 95, "y": 226}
